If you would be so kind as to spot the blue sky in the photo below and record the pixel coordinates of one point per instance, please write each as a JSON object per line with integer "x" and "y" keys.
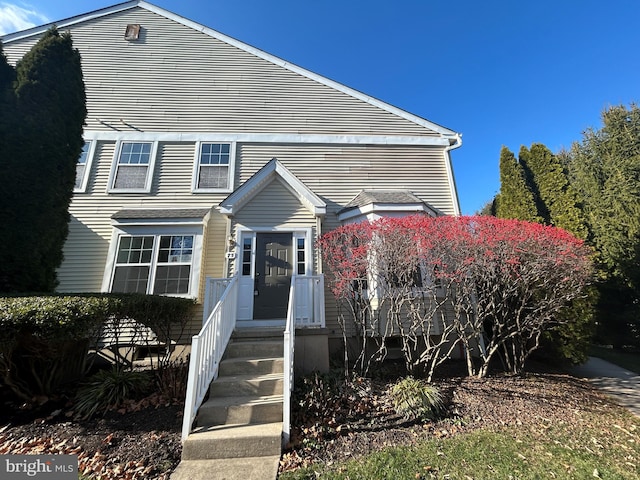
{"x": 501, "y": 72}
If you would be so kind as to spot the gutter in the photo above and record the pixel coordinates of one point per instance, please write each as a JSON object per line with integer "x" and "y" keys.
{"x": 452, "y": 181}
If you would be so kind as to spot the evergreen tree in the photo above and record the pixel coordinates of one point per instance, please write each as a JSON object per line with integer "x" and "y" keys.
{"x": 605, "y": 171}
{"x": 7, "y": 143}
{"x": 50, "y": 110}
{"x": 515, "y": 199}
{"x": 556, "y": 200}
{"x": 489, "y": 208}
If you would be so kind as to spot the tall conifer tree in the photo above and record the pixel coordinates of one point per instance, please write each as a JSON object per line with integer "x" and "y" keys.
{"x": 605, "y": 171}
{"x": 49, "y": 117}
{"x": 556, "y": 200}
{"x": 515, "y": 199}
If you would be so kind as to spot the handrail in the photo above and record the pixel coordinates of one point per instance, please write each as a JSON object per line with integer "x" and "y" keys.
{"x": 289, "y": 352}
{"x": 207, "y": 349}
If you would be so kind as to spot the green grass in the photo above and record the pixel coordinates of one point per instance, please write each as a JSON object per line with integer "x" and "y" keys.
{"x": 628, "y": 360}
{"x": 606, "y": 447}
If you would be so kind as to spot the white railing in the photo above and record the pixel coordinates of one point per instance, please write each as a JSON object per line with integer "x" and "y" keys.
{"x": 309, "y": 300}
{"x": 289, "y": 353}
{"x": 306, "y": 309}
{"x": 214, "y": 289}
{"x": 208, "y": 347}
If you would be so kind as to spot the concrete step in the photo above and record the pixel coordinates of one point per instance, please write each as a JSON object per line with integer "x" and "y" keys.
{"x": 254, "y": 348}
{"x": 252, "y": 468}
{"x": 240, "y": 385}
{"x": 250, "y": 366}
{"x": 233, "y": 441}
{"x": 259, "y": 333}
{"x": 240, "y": 410}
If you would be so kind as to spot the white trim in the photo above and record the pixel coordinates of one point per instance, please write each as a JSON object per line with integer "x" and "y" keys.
{"x": 267, "y": 138}
{"x": 261, "y": 179}
{"x": 380, "y": 208}
{"x": 445, "y": 132}
{"x": 252, "y": 232}
{"x": 156, "y": 232}
{"x": 230, "y": 171}
{"x": 150, "y": 167}
{"x": 169, "y": 221}
{"x": 87, "y": 166}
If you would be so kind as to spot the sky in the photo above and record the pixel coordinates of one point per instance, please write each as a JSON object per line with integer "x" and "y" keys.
{"x": 500, "y": 72}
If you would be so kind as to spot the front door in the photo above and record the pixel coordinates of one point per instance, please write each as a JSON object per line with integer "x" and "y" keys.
{"x": 273, "y": 270}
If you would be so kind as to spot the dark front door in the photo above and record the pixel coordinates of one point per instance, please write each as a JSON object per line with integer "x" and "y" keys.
{"x": 274, "y": 266}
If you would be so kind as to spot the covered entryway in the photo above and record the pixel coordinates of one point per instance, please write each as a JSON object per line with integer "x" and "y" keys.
{"x": 273, "y": 270}
{"x": 273, "y": 219}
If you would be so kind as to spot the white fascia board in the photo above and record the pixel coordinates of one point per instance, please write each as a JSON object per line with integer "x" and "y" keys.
{"x": 262, "y": 178}
{"x": 377, "y": 208}
{"x": 266, "y": 138}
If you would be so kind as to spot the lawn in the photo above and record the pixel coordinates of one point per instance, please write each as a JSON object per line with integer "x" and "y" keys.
{"x": 505, "y": 427}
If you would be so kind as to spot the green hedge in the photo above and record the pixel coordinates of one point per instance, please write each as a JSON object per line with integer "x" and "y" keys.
{"x": 44, "y": 340}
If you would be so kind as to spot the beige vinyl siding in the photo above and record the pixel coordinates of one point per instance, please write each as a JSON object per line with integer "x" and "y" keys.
{"x": 337, "y": 173}
{"x": 275, "y": 206}
{"x": 176, "y": 78}
{"x": 91, "y": 227}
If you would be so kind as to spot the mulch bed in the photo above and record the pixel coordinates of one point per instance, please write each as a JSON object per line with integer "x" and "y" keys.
{"x": 142, "y": 440}
{"x": 533, "y": 399}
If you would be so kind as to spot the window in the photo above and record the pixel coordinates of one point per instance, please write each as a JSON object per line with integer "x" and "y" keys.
{"x": 246, "y": 256}
{"x": 83, "y": 165}
{"x": 133, "y": 167}
{"x": 157, "y": 264}
{"x": 300, "y": 256}
{"x": 213, "y": 167}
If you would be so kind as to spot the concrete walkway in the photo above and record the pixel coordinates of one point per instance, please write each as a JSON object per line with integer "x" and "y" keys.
{"x": 622, "y": 385}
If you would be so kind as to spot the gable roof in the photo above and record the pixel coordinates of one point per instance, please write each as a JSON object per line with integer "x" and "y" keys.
{"x": 263, "y": 177}
{"x": 453, "y": 137}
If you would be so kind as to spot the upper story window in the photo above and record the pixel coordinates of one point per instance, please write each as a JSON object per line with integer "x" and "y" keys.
{"x": 133, "y": 167}
{"x": 213, "y": 167}
{"x": 83, "y": 166}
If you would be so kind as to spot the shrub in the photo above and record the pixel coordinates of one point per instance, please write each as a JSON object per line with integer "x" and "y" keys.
{"x": 107, "y": 389}
{"x": 44, "y": 340}
{"x": 416, "y": 399}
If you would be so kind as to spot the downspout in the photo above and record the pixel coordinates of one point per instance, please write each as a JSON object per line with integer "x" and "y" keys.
{"x": 452, "y": 182}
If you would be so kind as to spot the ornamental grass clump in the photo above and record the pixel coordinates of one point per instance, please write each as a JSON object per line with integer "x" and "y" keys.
{"x": 108, "y": 389}
{"x": 416, "y": 399}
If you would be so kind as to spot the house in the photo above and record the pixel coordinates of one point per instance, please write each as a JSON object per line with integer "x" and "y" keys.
{"x": 210, "y": 162}
{"x": 205, "y": 155}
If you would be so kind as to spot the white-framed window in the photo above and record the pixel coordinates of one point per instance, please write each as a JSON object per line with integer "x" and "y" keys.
{"x": 213, "y": 170}
{"x": 132, "y": 169}
{"x": 83, "y": 167}
{"x": 161, "y": 263}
